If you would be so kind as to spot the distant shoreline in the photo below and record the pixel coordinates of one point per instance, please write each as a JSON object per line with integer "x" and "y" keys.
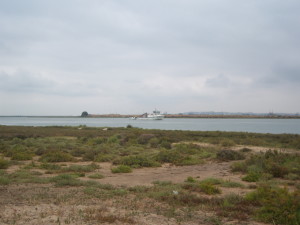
{"x": 175, "y": 116}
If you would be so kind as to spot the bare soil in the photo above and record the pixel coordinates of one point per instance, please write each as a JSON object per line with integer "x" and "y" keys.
{"x": 36, "y": 204}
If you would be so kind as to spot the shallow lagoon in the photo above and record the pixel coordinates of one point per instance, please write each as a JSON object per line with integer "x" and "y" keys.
{"x": 274, "y": 126}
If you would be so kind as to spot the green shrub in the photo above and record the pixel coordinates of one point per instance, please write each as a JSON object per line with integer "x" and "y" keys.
{"x": 165, "y": 144}
{"x": 208, "y": 186}
{"x": 270, "y": 163}
{"x": 252, "y": 177}
{"x": 238, "y": 167}
{"x": 138, "y": 161}
{"x": 231, "y": 184}
{"x": 188, "y": 160}
{"x": 90, "y": 154}
{"x": 50, "y": 166}
{"x": 122, "y": 169}
{"x": 228, "y": 155}
{"x": 276, "y": 169}
{"x": 211, "y": 180}
{"x": 77, "y": 152}
{"x": 4, "y": 164}
{"x": 21, "y": 156}
{"x": 276, "y": 204}
{"x": 227, "y": 143}
{"x": 154, "y": 142}
{"x": 41, "y": 150}
{"x": 192, "y": 186}
{"x": 66, "y": 180}
{"x": 113, "y": 139}
{"x": 104, "y": 158}
{"x": 57, "y": 156}
{"x": 26, "y": 176}
{"x": 292, "y": 176}
{"x": 190, "y": 180}
{"x": 245, "y": 150}
{"x": 80, "y": 168}
{"x": 145, "y": 138}
{"x": 168, "y": 156}
{"x": 96, "y": 176}
{"x": 4, "y": 180}
{"x": 209, "y": 189}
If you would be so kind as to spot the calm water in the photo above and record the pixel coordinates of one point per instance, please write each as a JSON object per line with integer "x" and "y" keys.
{"x": 275, "y": 126}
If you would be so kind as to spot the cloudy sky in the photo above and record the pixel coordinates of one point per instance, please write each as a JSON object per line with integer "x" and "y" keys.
{"x": 62, "y": 57}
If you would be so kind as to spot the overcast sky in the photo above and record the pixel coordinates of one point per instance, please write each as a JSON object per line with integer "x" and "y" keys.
{"x": 62, "y": 57}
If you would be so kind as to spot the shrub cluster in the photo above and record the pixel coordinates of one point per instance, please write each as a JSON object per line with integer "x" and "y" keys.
{"x": 122, "y": 169}
{"x": 138, "y": 161}
{"x": 207, "y": 186}
{"x": 57, "y": 156}
{"x": 269, "y": 164}
{"x": 4, "y": 164}
{"x": 228, "y": 155}
{"x": 276, "y": 204}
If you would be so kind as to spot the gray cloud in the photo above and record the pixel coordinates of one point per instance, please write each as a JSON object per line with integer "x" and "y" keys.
{"x": 179, "y": 52}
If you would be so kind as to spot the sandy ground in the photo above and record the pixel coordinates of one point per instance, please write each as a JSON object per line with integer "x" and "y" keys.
{"x": 36, "y": 204}
{"x": 175, "y": 174}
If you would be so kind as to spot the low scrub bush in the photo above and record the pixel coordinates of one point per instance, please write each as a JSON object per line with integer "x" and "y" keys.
{"x": 4, "y": 164}
{"x": 41, "y": 150}
{"x": 145, "y": 138}
{"x": 114, "y": 139}
{"x": 252, "y": 177}
{"x": 57, "y": 156}
{"x": 207, "y": 186}
{"x": 77, "y": 152}
{"x": 50, "y": 166}
{"x": 90, "y": 154}
{"x": 228, "y": 155}
{"x": 292, "y": 176}
{"x": 22, "y": 156}
{"x": 66, "y": 180}
{"x": 138, "y": 161}
{"x": 122, "y": 169}
{"x": 271, "y": 164}
{"x": 211, "y": 180}
{"x": 189, "y": 160}
{"x": 233, "y": 206}
{"x": 238, "y": 167}
{"x": 104, "y": 158}
{"x": 245, "y": 150}
{"x": 227, "y": 143}
{"x": 165, "y": 144}
{"x": 190, "y": 180}
{"x": 4, "y": 180}
{"x": 25, "y": 176}
{"x": 168, "y": 156}
{"x": 232, "y": 184}
{"x": 276, "y": 204}
{"x": 96, "y": 176}
{"x": 80, "y": 168}
{"x": 181, "y": 199}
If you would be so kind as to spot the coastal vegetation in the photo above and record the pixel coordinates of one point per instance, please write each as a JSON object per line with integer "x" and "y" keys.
{"x": 226, "y": 176}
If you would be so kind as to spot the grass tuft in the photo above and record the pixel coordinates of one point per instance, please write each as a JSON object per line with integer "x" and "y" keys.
{"x": 121, "y": 169}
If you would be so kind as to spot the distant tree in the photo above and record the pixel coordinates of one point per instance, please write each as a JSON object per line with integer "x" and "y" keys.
{"x": 84, "y": 114}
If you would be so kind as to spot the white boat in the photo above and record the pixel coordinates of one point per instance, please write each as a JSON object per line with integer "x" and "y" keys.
{"x": 152, "y": 116}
